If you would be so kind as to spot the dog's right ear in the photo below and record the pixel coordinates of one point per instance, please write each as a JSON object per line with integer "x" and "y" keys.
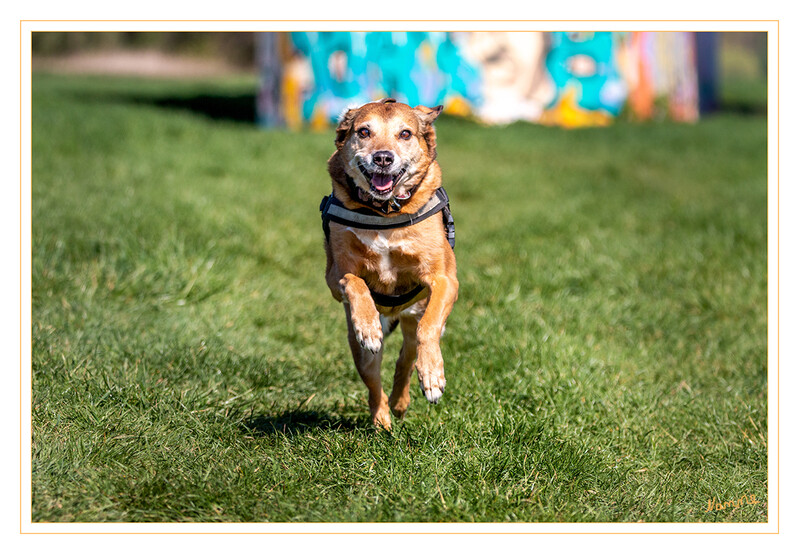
{"x": 344, "y": 125}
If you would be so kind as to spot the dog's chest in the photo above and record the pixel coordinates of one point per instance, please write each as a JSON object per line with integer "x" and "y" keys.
{"x": 381, "y": 245}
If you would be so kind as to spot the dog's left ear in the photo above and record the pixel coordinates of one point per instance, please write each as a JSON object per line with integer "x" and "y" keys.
{"x": 344, "y": 125}
{"x": 428, "y": 115}
{"x": 426, "y": 118}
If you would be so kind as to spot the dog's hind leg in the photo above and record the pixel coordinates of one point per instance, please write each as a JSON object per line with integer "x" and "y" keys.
{"x": 368, "y": 364}
{"x": 388, "y": 324}
{"x": 400, "y": 393}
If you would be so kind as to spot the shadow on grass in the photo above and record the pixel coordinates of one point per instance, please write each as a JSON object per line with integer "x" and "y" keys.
{"x": 743, "y": 107}
{"x": 302, "y": 421}
{"x": 238, "y": 108}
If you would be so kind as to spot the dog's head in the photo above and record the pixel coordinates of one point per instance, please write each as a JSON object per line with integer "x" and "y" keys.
{"x": 386, "y": 147}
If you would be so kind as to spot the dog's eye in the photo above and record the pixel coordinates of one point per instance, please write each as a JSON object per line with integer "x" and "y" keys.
{"x": 406, "y": 134}
{"x": 363, "y": 132}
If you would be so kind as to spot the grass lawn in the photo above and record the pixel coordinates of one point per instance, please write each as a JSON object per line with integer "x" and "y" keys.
{"x": 606, "y": 360}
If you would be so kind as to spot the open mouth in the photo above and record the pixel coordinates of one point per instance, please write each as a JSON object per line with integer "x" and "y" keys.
{"x": 381, "y": 184}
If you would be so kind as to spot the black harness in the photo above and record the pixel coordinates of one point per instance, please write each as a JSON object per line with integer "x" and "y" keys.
{"x": 334, "y": 210}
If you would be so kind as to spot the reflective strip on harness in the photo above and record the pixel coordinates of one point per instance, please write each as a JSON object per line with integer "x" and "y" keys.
{"x": 333, "y": 210}
{"x": 340, "y": 214}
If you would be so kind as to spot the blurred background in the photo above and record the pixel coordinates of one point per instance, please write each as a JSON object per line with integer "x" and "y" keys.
{"x": 305, "y": 79}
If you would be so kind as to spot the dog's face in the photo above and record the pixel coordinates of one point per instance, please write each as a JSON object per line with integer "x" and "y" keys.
{"x": 387, "y": 147}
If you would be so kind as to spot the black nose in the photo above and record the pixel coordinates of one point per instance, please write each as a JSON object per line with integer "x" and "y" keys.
{"x": 383, "y": 158}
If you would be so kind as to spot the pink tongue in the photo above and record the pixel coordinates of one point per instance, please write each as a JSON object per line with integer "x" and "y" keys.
{"x": 382, "y": 182}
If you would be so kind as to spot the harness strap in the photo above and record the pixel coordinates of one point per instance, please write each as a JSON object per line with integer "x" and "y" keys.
{"x": 333, "y": 210}
{"x": 394, "y": 300}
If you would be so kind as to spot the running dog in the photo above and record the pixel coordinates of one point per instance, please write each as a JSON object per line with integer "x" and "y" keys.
{"x": 389, "y": 239}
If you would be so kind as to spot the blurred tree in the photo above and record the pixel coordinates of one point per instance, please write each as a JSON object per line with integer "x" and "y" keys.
{"x": 235, "y": 48}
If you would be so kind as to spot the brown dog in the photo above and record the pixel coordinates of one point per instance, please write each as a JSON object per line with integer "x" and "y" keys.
{"x": 389, "y": 247}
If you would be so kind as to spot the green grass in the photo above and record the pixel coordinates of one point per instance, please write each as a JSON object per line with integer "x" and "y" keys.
{"x": 742, "y": 72}
{"x": 606, "y": 360}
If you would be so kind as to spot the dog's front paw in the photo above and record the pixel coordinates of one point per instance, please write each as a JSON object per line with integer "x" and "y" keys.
{"x": 430, "y": 369}
{"x": 369, "y": 335}
{"x": 433, "y": 387}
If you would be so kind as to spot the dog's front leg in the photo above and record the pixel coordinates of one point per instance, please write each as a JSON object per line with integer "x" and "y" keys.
{"x": 362, "y": 311}
{"x": 429, "y": 363}
{"x": 365, "y": 336}
{"x": 368, "y": 364}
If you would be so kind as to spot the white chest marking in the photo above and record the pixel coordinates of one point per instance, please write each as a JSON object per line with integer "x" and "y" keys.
{"x": 377, "y": 242}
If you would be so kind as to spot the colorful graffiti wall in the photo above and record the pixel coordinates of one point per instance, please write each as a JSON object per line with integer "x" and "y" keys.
{"x": 564, "y": 79}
